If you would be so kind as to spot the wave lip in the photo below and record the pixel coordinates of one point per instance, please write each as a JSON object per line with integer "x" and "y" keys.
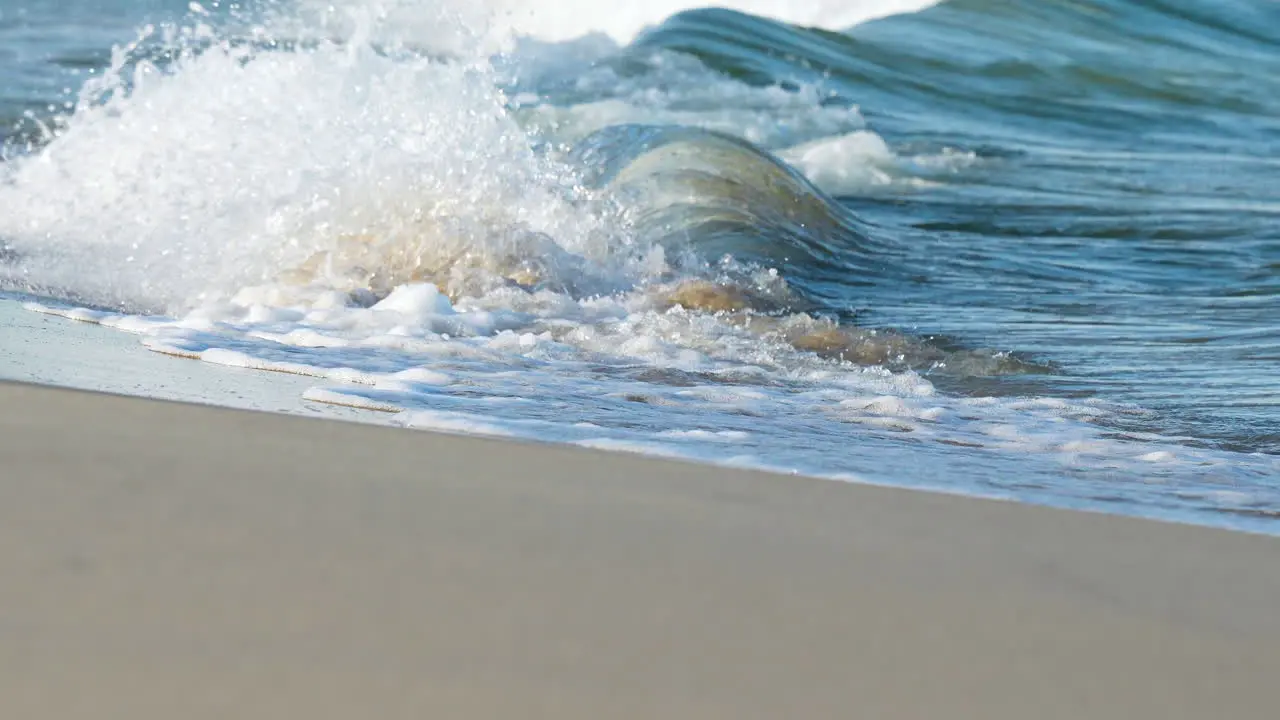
{"x": 712, "y": 195}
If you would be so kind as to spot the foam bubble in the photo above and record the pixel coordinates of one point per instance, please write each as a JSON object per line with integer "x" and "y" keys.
{"x": 631, "y": 446}
{"x": 860, "y": 161}
{"x": 454, "y": 422}
{"x": 677, "y": 89}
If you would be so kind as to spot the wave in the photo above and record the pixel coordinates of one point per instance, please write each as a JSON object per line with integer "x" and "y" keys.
{"x": 209, "y": 161}
{"x": 1101, "y": 65}
{"x": 220, "y": 153}
{"x": 364, "y": 144}
{"x": 715, "y": 195}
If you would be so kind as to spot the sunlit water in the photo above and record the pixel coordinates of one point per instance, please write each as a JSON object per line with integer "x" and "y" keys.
{"x": 1020, "y": 249}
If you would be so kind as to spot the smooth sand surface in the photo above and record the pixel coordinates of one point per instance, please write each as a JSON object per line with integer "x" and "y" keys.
{"x": 160, "y": 560}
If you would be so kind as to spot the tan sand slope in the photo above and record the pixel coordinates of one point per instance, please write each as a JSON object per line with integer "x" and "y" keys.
{"x": 168, "y": 561}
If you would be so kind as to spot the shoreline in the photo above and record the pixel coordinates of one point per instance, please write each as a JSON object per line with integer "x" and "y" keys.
{"x": 164, "y": 559}
{"x": 57, "y": 351}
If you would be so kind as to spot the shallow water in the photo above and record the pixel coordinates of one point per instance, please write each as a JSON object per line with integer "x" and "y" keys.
{"x": 1022, "y": 249}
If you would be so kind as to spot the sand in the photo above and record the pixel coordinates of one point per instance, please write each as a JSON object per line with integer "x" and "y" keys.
{"x": 160, "y": 560}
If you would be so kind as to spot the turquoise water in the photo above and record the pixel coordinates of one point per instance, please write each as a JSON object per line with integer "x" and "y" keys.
{"x": 981, "y": 204}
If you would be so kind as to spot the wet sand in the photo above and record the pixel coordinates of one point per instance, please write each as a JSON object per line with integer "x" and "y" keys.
{"x": 160, "y": 560}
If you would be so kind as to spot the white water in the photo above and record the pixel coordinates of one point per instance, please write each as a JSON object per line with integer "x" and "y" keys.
{"x": 234, "y": 167}
{"x": 621, "y": 22}
{"x": 171, "y": 188}
{"x": 618, "y": 373}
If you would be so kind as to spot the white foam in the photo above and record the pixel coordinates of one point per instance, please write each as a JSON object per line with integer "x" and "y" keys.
{"x": 496, "y": 24}
{"x": 333, "y": 397}
{"x": 677, "y": 89}
{"x": 597, "y": 373}
{"x": 859, "y": 161}
{"x": 699, "y": 434}
{"x": 234, "y": 166}
{"x": 302, "y": 337}
{"x": 622, "y": 21}
{"x": 454, "y": 422}
{"x": 415, "y": 301}
{"x": 632, "y": 446}
{"x": 423, "y": 376}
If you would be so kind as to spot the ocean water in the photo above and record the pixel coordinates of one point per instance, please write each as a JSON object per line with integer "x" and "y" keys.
{"x": 1021, "y": 249}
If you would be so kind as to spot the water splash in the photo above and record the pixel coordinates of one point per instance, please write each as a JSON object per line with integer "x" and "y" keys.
{"x": 231, "y": 162}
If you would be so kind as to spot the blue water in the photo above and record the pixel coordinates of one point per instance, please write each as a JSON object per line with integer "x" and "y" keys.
{"x": 1124, "y": 227}
{"x": 1066, "y": 202}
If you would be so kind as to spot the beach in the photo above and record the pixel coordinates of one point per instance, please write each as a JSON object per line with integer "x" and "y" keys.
{"x": 897, "y": 360}
{"x": 167, "y": 560}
